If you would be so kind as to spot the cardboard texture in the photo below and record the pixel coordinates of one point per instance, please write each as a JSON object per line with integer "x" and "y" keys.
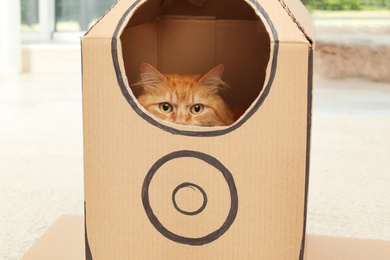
{"x": 65, "y": 241}
{"x": 156, "y": 190}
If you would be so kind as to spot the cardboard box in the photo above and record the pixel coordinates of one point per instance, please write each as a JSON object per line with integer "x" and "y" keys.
{"x": 65, "y": 241}
{"x": 159, "y": 190}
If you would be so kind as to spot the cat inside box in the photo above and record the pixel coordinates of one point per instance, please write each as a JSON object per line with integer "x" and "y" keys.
{"x": 186, "y": 99}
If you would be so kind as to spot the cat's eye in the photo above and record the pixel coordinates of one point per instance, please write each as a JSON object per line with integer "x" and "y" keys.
{"x": 197, "y": 109}
{"x": 165, "y": 108}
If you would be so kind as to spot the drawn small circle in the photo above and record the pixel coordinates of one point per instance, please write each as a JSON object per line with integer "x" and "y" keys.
{"x": 197, "y": 189}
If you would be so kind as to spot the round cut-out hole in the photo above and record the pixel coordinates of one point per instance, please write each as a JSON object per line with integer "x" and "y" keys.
{"x": 246, "y": 43}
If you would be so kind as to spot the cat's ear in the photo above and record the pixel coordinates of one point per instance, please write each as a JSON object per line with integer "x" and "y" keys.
{"x": 150, "y": 76}
{"x": 213, "y": 78}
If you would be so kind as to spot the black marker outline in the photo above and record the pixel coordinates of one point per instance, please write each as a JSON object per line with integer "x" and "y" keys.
{"x": 170, "y": 129}
{"x": 185, "y": 185}
{"x": 308, "y": 146}
{"x": 88, "y": 253}
{"x": 181, "y": 239}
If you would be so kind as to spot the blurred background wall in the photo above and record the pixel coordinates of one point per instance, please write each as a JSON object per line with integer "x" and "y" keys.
{"x": 33, "y": 32}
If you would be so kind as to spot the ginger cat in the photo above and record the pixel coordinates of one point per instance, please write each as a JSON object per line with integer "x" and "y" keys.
{"x": 186, "y": 99}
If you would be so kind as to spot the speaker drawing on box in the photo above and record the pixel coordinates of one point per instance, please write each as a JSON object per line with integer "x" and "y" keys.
{"x": 158, "y": 190}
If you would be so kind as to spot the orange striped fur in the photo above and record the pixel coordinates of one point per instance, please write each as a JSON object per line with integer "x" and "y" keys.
{"x": 187, "y": 99}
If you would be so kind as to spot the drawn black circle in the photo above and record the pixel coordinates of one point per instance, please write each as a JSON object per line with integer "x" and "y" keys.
{"x": 185, "y": 185}
{"x": 198, "y": 241}
{"x": 119, "y": 71}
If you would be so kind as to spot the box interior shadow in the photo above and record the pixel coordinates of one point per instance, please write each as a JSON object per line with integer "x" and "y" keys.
{"x": 191, "y": 37}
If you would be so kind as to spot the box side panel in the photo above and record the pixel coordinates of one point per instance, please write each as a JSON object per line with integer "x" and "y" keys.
{"x": 62, "y": 241}
{"x": 275, "y": 13}
{"x": 143, "y": 12}
{"x": 292, "y": 24}
{"x": 186, "y": 46}
{"x": 221, "y": 9}
{"x": 106, "y": 117}
{"x": 244, "y": 48}
{"x": 52, "y": 245}
{"x": 301, "y": 16}
{"x": 278, "y": 167}
{"x": 266, "y": 158}
{"x": 139, "y": 44}
{"x": 106, "y": 25}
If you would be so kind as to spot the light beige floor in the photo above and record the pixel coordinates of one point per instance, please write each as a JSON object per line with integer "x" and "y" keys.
{"x": 41, "y": 167}
{"x": 350, "y": 167}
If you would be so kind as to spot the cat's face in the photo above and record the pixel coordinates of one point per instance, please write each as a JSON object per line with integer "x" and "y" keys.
{"x": 185, "y": 99}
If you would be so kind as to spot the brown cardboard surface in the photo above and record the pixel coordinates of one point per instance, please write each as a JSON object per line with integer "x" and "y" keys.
{"x": 65, "y": 240}
{"x": 340, "y": 248}
{"x": 299, "y": 13}
{"x": 254, "y": 173}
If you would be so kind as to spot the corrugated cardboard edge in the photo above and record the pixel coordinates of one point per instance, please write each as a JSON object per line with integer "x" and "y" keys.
{"x": 101, "y": 17}
{"x": 308, "y": 146}
{"x": 309, "y": 33}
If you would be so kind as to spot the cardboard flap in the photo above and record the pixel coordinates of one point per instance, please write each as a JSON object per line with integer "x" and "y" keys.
{"x": 64, "y": 241}
{"x": 199, "y": 3}
{"x": 280, "y": 12}
{"x": 221, "y": 9}
{"x": 300, "y": 16}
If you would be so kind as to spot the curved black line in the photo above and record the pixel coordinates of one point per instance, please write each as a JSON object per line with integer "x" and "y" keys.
{"x": 172, "y": 130}
{"x": 88, "y": 253}
{"x": 181, "y": 239}
{"x": 308, "y": 144}
{"x": 185, "y": 185}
